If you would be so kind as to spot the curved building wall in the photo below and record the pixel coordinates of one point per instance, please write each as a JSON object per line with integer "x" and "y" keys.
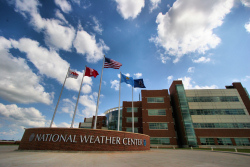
{"x": 112, "y": 118}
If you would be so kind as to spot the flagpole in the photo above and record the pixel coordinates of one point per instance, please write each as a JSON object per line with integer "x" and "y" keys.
{"x": 97, "y": 105}
{"x": 118, "y": 123}
{"x": 132, "y": 112}
{"x": 78, "y": 99}
{"x": 59, "y": 99}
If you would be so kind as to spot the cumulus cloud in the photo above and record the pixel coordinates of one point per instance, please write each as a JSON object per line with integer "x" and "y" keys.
{"x": 191, "y": 69}
{"x": 138, "y": 75}
{"x": 247, "y": 27}
{"x": 189, "y": 85}
{"x": 89, "y": 102}
{"x": 64, "y": 5}
{"x": 98, "y": 26}
{"x": 57, "y": 34}
{"x": 170, "y": 78}
{"x": 17, "y": 81}
{"x": 154, "y": 4}
{"x": 130, "y": 8}
{"x": 246, "y": 3}
{"x": 15, "y": 119}
{"x": 68, "y": 107}
{"x": 188, "y": 26}
{"x": 22, "y": 117}
{"x": 86, "y": 44}
{"x": 48, "y": 62}
{"x": 202, "y": 60}
{"x": 115, "y": 84}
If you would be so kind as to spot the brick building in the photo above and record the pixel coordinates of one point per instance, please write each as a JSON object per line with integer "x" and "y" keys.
{"x": 189, "y": 117}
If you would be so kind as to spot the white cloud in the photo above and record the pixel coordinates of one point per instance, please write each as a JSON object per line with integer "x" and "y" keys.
{"x": 86, "y": 44}
{"x": 63, "y": 124}
{"x": 154, "y": 4}
{"x": 64, "y": 5}
{"x": 14, "y": 119}
{"x": 188, "y": 26}
{"x": 115, "y": 84}
{"x": 68, "y": 107}
{"x": 98, "y": 26}
{"x": 164, "y": 58}
{"x": 49, "y": 63}
{"x": 138, "y": 75}
{"x": 86, "y": 89}
{"x": 191, "y": 69}
{"x": 22, "y": 117}
{"x": 170, "y": 78}
{"x": 60, "y": 16}
{"x": 89, "y": 102}
{"x": 245, "y": 79}
{"x": 247, "y": 27}
{"x": 188, "y": 85}
{"x": 246, "y": 3}
{"x": 58, "y": 35}
{"x": 130, "y": 8}
{"x": 202, "y": 60}
{"x": 17, "y": 81}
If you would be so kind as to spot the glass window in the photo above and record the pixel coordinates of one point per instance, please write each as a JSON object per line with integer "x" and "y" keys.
{"x": 130, "y": 130}
{"x": 129, "y": 109}
{"x": 155, "y": 100}
{"x": 152, "y": 112}
{"x": 158, "y": 126}
{"x": 222, "y": 125}
{"x": 217, "y": 112}
{"x": 207, "y": 141}
{"x": 129, "y": 119}
{"x": 213, "y": 99}
{"x": 159, "y": 140}
{"x": 242, "y": 141}
{"x": 224, "y": 141}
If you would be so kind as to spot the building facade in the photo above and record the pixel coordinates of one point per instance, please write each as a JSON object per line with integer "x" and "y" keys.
{"x": 187, "y": 117}
{"x": 206, "y": 117}
{"x": 152, "y": 116}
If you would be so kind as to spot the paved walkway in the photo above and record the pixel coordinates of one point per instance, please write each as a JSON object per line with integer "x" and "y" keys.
{"x": 156, "y": 158}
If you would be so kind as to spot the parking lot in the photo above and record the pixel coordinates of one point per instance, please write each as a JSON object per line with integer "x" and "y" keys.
{"x": 9, "y": 156}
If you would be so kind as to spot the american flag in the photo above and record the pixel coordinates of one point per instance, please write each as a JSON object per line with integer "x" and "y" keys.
{"x": 109, "y": 63}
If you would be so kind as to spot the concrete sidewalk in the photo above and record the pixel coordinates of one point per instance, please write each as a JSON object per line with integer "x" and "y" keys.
{"x": 162, "y": 157}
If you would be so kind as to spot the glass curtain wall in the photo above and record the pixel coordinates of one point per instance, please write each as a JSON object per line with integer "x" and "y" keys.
{"x": 112, "y": 120}
{"x": 188, "y": 124}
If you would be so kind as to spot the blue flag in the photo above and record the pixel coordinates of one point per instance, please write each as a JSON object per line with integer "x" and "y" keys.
{"x": 138, "y": 83}
{"x": 127, "y": 80}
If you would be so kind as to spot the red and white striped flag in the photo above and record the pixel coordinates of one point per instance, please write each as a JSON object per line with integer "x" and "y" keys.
{"x": 109, "y": 63}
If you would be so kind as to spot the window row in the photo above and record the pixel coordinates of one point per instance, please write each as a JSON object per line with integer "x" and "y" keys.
{"x": 129, "y": 119}
{"x": 155, "y": 100}
{"x": 129, "y": 109}
{"x": 222, "y": 125}
{"x": 225, "y": 141}
{"x": 130, "y": 130}
{"x": 217, "y": 112}
{"x": 154, "y": 112}
{"x": 158, "y": 126}
{"x": 213, "y": 99}
{"x": 159, "y": 140}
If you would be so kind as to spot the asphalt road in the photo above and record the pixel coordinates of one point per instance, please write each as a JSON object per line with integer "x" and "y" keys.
{"x": 9, "y": 156}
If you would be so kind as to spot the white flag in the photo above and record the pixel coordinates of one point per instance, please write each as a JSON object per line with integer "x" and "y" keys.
{"x": 72, "y": 74}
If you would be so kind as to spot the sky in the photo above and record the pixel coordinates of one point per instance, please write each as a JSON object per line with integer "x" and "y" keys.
{"x": 203, "y": 43}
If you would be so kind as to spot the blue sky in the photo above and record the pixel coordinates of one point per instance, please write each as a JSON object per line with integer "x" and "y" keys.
{"x": 204, "y": 43}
